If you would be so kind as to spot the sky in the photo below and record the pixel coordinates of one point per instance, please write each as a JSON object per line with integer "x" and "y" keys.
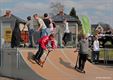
{"x": 96, "y": 10}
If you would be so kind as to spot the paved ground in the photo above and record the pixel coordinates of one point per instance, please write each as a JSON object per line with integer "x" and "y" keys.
{"x": 106, "y": 67}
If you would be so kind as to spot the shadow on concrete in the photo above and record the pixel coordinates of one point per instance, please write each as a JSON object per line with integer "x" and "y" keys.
{"x": 30, "y": 57}
{"x": 66, "y": 64}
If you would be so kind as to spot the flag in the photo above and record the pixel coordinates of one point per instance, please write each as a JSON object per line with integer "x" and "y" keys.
{"x": 86, "y": 25}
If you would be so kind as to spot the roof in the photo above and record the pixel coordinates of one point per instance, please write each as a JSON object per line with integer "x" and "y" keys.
{"x": 60, "y": 18}
{"x": 19, "y": 19}
{"x": 105, "y": 26}
{"x": 13, "y": 17}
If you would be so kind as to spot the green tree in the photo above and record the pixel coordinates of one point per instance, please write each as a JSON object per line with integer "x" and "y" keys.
{"x": 73, "y": 13}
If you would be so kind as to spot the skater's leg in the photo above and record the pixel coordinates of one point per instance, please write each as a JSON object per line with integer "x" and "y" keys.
{"x": 83, "y": 61}
{"x": 41, "y": 53}
{"x": 38, "y": 52}
{"x": 80, "y": 58}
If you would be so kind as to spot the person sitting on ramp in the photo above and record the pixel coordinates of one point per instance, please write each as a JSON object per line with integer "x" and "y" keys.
{"x": 42, "y": 46}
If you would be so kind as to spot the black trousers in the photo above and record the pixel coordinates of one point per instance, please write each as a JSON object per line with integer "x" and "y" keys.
{"x": 82, "y": 61}
{"x": 66, "y": 37}
{"x": 39, "y": 53}
{"x": 95, "y": 56}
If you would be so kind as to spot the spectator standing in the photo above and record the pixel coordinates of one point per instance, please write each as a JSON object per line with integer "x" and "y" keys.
{"x": 47, "y": 23}
{"x": 31, "y": 31}
{"x": 52, "y": 26}
{"x": 96, "y": 50}
{"x": 16, "y": 36}
{"x": 66, "y": 36}
{"x": 39, "y": 26}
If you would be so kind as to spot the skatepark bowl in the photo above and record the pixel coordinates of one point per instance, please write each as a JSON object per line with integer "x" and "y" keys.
{"x": 17, "y": 63}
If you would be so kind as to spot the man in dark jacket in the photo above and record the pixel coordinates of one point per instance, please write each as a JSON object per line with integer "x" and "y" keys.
{"x": 16, "y": 36}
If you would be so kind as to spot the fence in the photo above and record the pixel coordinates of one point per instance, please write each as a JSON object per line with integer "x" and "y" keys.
{"x": 105, "y": 55}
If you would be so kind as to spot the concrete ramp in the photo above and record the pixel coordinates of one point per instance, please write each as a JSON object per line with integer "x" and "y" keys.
{"x": 13, "y": 65}
{"x": 60, "y": 66}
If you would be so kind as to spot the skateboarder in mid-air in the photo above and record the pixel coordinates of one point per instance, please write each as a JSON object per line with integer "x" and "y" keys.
{"x": 42, "y": 46}
{"x": 83, "y": 53}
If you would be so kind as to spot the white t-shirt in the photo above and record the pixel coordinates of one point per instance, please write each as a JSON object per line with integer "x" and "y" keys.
{"x": 42, "y": 22}
{"x": 96, "y": 45}
{"x": 66, "y": 28}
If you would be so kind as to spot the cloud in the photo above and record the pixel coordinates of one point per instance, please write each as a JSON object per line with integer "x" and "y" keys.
{"x": 5, "y": 1}
{"x": 31, "y": 8}
{"x": 97, "y": 11}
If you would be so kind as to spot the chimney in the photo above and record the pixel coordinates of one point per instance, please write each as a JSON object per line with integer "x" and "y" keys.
{"x": 8, "y": 13}
{"x": 61, "y": 13}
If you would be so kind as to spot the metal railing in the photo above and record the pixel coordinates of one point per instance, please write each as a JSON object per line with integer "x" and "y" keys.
{"x": 105, "y": 55}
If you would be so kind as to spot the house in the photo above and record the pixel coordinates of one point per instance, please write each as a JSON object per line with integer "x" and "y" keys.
{"x": 105, "y": 27}
{"x": 7, "y": 24}
{"x": 59, "y": 18}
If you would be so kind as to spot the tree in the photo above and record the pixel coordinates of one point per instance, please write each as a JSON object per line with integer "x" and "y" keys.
{"x": 73, "y": 13}
{"x": 56, "y": 7}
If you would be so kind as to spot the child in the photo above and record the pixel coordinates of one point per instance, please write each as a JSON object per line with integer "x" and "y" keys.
{"x": 42, "y": 46}
{"x": 96, "y": 49}
{"x": 83, "y": 52}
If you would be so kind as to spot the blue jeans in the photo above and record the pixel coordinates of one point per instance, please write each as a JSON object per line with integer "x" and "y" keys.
{"x": 31, "y": 32}
{"x": 48, "y": 32}
{"x": 45, "y": 32}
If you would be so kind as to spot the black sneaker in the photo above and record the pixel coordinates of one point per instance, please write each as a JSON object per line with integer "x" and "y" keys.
{"x": 83, "y": 71}
{"x": 30, "y": 46}
{"x": 33, "y": 57}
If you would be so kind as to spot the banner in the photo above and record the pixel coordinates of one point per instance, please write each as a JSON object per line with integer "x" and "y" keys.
{"x": 86, "y": 25}
{"x": 7, "y": 35}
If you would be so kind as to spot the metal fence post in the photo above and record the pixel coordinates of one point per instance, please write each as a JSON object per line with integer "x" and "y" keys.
{"x": 17, "y": 54}
{"x": 76, "y": 35}
{"x": 106, "y": 55}
{"x": 1, "y": 51}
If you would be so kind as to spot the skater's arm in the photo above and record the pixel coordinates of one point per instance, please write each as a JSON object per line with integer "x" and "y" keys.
{"x": 78, "y": 47}
{"x": 76, "y": 50}
{"x": 53, "y": 44}
{"x": 40, "y": 24}
{"x": 39, "y": 28}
